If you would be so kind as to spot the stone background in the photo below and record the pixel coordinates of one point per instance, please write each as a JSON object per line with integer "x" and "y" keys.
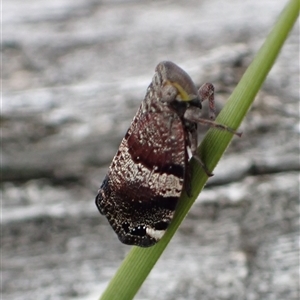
{"x": 73, "y": 76}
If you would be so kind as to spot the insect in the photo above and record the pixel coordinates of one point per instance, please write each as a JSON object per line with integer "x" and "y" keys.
{"x": 140, "y": 192}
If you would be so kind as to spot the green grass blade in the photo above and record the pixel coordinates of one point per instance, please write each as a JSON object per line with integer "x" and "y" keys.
{"x": 139, "y": 262}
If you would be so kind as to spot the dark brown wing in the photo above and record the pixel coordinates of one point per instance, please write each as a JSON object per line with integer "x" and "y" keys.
{"x": 146, "y": 177}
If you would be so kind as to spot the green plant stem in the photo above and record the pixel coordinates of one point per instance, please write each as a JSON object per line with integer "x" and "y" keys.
{"x": 139, "y": 262}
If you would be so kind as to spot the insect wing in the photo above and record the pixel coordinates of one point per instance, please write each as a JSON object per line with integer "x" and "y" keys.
{"x": 145, "y": 179}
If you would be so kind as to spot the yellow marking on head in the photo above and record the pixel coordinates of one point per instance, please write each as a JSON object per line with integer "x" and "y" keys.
{"x": 184, "y": 96}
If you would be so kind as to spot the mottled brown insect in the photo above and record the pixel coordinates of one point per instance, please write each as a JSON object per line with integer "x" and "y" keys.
{"x": 147, "y": 175}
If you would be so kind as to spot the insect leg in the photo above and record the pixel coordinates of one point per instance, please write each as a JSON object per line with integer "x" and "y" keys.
{"x": 192, "y": 114}
{"x": 194, "y": 144}
{"x": 207, "y": 92}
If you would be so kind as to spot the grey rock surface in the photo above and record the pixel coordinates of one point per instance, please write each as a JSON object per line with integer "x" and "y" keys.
{"x": 73, "y": 75}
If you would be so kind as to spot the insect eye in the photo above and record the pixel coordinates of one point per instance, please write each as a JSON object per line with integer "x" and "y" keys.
{"x": 157, "y": 79}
